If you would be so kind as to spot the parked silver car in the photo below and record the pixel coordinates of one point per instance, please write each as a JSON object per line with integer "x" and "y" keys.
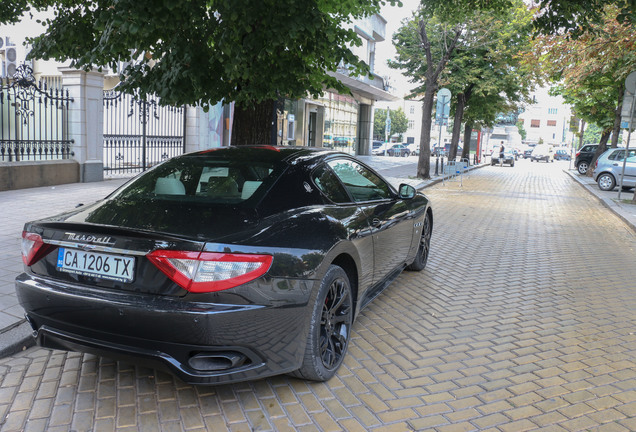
{"x": 609, "y": 167}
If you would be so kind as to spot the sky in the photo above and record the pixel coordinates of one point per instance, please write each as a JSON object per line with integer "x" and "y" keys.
{"x": 385, "y": 49}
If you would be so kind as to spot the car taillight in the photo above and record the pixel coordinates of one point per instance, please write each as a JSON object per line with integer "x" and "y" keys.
{"x": 577, "y": 155}
{"x": 34, "y": 248}
{"x": 200, "y": 272}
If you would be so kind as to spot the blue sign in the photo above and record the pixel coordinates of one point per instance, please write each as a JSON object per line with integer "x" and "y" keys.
{"x": 442, "y": 110}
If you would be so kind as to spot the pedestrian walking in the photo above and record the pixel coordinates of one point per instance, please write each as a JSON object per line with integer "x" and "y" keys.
{"x": 502, "y": 149}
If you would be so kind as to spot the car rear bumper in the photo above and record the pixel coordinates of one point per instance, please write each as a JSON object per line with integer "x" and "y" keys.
{"x": 201, "y": 343}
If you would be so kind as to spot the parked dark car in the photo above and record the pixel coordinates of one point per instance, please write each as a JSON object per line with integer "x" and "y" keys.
{"x": 398, "y": 150}
{"x": 584, "y": 157}
{"x": 224, "y": 265}
{"x": 562, "y": 154}
{"x": 438, "y": 151}
{"x": 527, "y": 153}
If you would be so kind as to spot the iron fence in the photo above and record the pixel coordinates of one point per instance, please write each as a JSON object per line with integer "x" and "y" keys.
{"x": 139, "y": 133}
{"x": 33, "y": 119}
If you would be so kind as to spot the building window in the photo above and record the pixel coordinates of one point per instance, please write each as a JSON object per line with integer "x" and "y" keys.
{"x": 551, "y": 122}
{"x": 552, "y": 110}
{"x": 411, "y": 124}
{"x": 535, "y": 123}
{"x": 341, "y": 121}
{"x": 412, "y": 109}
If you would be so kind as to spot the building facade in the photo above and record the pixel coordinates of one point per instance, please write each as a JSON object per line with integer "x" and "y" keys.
{"x": 547, "y": 120}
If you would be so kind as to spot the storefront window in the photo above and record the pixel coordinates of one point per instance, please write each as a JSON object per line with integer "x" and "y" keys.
{"x": 287, "y": 122}
{"x": 341, "y": 122}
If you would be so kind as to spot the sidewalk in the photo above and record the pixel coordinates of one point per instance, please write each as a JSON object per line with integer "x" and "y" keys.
{"x": 624, "y": 208}
{"x": 20, "y": 206}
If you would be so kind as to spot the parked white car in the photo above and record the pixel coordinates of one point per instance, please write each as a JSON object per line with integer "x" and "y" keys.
{"x": 414, "y": 148}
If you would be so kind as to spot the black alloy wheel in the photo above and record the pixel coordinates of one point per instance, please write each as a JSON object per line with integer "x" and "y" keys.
{"x": 425, "y": 245}
{"x": 330, "y": 327}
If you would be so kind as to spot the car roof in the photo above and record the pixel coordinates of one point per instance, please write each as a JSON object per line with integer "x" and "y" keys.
{"x": 287, "y": 154}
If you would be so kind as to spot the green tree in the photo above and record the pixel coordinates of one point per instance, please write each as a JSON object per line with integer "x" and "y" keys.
{"x": 399, "y": 122}
{"x": 423, "y": 61}
{"x": 206, "y": 51}
{"x": 572, "y": 17}
{"x": 590, "y": 71}
{"x": 592, "y": 134}
{"x": 473, "y": 52}
{"x": 486, "y": 72}
{"x": 522, "y": 130}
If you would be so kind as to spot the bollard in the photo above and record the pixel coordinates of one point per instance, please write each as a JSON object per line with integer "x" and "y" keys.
{"x": 437, "y": 166}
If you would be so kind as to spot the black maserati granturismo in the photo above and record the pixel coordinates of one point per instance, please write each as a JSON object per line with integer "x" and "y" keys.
{"x": 224, "y": 265}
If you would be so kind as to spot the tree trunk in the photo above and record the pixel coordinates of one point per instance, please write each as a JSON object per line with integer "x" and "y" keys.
{"x": 602, "y": 146}
{"x": 424, "y": 161}
{"x": 616, "y": 130}
{"x": 457, "y": 126}
{"x": 468, "y": 132}
{"x": 252, "y": 125}
{"x": 431, "y": 77}
{"x": 581, "y": 134}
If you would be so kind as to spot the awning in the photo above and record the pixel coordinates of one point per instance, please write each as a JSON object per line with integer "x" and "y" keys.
{"x": 364, "y": 89}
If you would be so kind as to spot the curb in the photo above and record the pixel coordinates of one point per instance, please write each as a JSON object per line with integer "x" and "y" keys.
{"x": 439, "y": 179}
{"x": 16, "y": 338}
{"x": 612, "y": 205}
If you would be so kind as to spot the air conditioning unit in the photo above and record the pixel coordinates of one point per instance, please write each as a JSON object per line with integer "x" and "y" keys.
{"x": 10, "y": 60}
{"x": 11, "y": 57}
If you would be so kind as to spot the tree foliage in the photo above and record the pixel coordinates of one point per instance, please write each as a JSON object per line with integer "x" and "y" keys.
{"x": 399, "y": 122}
{"x": 590, "y": 71}
{"x": 486, "y": 74}
{"x": 205, "y": 51}
{"x": 572, "y": 17}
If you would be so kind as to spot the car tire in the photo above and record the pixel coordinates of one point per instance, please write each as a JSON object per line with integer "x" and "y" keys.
{"x": 606, "y": 182}
{"x": 582, "y": 167}
{"x": 329, "y": 328}
{"x": 512, "y": 164}
{"x": 421, "y": 257}
{"x": 405, "y": 154}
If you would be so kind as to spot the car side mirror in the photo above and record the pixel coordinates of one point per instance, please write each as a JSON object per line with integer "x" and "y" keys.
{"x": 406, "y": 191}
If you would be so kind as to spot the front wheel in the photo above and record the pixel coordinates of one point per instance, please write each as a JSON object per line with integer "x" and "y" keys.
{"x": 606, "y": 182}
{"x": 425, "y": 245}
{"x": 329, "y": 328}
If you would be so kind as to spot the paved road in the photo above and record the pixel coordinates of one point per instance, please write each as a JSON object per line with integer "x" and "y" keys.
{"x": 525, "y": 319}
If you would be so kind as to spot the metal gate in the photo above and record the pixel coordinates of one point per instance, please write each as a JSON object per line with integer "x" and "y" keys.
{"x": 33, "y": 119}
{"x": 140, "y": 133}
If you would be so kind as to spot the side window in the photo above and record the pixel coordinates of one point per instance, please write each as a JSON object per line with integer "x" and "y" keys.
{"x": 362, "y": 184}
{"x": 328, "y": 183}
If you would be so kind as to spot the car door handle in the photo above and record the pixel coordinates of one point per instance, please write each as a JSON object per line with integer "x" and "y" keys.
{"x": 376, "y": 222}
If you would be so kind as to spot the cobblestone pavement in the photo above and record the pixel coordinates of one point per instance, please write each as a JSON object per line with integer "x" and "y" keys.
{"x": 525, "y": 319}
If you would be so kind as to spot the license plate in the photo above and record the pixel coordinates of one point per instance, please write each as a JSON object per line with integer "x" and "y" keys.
{"x": 106, "y": 266}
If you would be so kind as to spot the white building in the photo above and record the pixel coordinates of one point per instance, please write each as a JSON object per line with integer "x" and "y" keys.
{"x": 547, "y": 119}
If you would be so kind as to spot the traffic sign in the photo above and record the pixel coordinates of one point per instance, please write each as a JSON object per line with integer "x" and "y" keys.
{"x": 442, "y": 110}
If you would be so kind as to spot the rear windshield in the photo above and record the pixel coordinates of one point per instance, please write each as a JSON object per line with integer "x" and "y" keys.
{"x": 205, "y": 179}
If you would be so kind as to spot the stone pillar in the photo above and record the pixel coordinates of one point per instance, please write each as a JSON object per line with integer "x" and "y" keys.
{"x": 86, "y": 120}
{"x": 365, "y": 129}
{"x": 204, "y": 130}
